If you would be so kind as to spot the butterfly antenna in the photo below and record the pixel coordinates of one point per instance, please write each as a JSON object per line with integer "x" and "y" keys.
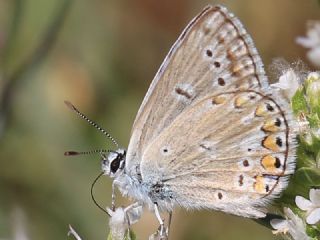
{"x": 73, "y": 108}
{"x": 75, "y": 153}
{"x": 94, "y": 200}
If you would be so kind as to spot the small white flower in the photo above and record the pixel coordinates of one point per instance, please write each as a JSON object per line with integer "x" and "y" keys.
{"x": 312, "y": 206}
{"x": 312, "y": 41}
{"x": 288, "y": 83}
{"x": 280, "y": 226}
{"x": 313, "y": 76}
{"x": 292, "y": 225}
{"x": 122, "y": 218}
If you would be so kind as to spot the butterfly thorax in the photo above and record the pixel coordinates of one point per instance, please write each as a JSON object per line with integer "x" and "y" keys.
{"x": 145, "y": 193}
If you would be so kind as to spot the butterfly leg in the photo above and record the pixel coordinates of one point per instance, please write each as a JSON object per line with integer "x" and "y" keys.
{"x": 113, "y": 197}
{"x": 169, "y": 223}
{"x": 133, "y": 213}
{"x": 163, "y": 231}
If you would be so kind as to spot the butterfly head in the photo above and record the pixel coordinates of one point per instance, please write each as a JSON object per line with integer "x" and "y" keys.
{"x": 114, "y": 163}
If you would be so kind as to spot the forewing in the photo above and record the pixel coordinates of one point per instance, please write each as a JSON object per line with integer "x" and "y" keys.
{"x": 230, "y": 151}
{"x": 213, "y": 54}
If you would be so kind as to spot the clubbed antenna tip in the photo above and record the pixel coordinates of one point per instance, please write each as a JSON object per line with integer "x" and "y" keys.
{"x": 69, "y": 105}
{"x": 71, "y": 153}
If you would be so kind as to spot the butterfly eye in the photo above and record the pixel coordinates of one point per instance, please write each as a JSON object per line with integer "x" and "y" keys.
{"x": 115, "y": 164}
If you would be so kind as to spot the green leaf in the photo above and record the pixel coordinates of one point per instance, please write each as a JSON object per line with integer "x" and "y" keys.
{"x": 300, "y": 184}
{"x": 306, "y": 155}
{"x": 132, "y": 235}
{"x": 308, "y": 150}
{"x": 313, "y": 231}
{"x": 299, "y": 103}
{"x": 129, "y": 236}
{"x": 109, "y": 236}
{"x": 308, "y": 177}
{"x": 313, "y": 119}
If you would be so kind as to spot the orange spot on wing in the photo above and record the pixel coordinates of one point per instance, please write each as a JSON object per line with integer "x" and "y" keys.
{"x": 260, "y": 185}
{"x": 269, "y": 163}
{"x": 269, "y": 142}
{"x": 261, "y": 111}
{"x": 270, "y": 126}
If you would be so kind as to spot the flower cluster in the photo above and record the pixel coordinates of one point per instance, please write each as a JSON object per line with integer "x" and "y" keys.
{"x": 293, "y": 225}
{"x": 302, "y": 219}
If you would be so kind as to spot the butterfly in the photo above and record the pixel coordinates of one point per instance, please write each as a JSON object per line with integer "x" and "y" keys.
{"x": 209, "y": 134}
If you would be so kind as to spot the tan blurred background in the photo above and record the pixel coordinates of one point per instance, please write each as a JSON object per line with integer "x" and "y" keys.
{"x": 103, "y": 60}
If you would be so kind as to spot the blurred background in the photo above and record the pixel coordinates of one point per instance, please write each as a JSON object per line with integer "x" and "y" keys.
{"x": 102, "y": 56}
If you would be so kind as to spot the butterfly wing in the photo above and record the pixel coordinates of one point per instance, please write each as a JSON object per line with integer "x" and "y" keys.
{"x": 192, "y": 139}
{"x": 213, "y": 54}
{"x": 231, "y": 152}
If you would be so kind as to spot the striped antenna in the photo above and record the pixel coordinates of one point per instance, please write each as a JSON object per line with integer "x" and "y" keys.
{"x": 73, "y": 108}
{"x": 75, "y": 153}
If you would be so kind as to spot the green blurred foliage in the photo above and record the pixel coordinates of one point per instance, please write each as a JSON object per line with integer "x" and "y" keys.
{"x": 104, "y": 58}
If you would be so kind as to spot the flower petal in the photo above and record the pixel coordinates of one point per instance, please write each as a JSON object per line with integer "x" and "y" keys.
{"x": 314, "y": 195}
{"x": 279, "y": 224}
{"x": 296, "y": 227}
{"x": 288, "y": 83}
{"x": 302, "y": 203}
{"x": 314, "y": 216}
{"x": 314, "y": 56}
{"x": 306, "y": 42}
